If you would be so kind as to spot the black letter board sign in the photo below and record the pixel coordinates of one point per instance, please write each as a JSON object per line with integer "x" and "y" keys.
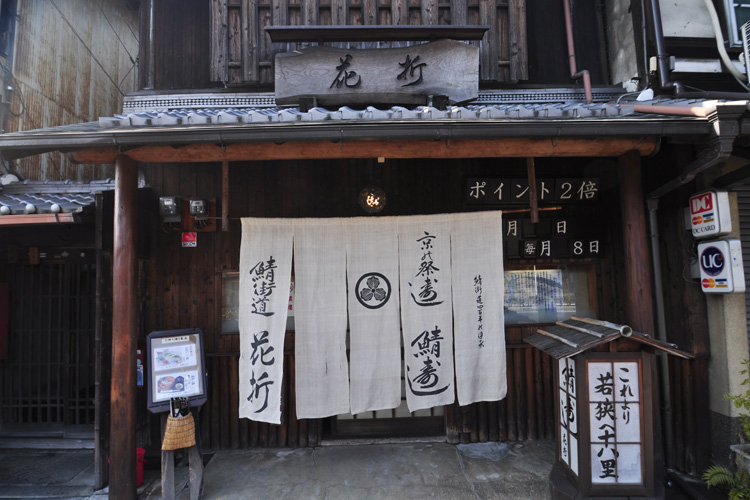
{"x": 176, "y": 368}
{"x": 492, "y": 191}
{"x": 561, "y": 237}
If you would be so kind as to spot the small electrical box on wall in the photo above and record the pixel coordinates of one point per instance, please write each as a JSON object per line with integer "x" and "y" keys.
{"x": 721, "y": 266}
{"x": 187, "y": 214}
{"x": 170, "y": 209}
{"x": 202, "y": 214}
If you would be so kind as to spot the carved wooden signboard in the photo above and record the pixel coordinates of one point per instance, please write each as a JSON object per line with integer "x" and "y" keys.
{"x": 405, "y": 75}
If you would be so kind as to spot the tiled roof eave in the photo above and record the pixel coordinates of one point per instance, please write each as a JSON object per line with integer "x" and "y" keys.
{"x": 255, "y": 125}
{"x": 65, "y": 139}
{"x": 45, "y": 198}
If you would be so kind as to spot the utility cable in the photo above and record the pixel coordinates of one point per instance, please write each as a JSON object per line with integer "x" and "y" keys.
{"x": 86, "y": 46}
{"x": 15, "y": 87}
{"x": 128, "y": 72}
{"x": 115, "y": 32}
{"x": 132, "y": 31}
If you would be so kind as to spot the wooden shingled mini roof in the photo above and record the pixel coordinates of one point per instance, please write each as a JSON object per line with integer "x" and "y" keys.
{"x": 576, "y": 335}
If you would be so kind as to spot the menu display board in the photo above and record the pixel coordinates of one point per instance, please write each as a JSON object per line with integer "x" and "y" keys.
{"x": 176, "y": 368}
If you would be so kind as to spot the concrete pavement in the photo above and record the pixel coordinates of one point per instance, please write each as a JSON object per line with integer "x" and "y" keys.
{"x": 395, "y": 471}
{"x": 352, "y": 470}
{"x": 35, "y": 473}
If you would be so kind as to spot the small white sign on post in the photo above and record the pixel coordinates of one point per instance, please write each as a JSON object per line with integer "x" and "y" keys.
{"x": 721, "y": 266}
{"x": 709, "y": 214}
{"x": 615, "y": 426}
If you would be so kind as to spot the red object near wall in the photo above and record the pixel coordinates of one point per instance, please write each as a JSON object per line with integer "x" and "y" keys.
{"x": 4, "y": 321}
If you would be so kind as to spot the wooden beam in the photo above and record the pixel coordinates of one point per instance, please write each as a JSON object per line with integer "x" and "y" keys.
{"x": 22, "y": 220}
{"x": 261, "y": 151}
{"x": 225, "y": 196}
{"x": 374, "y": 33}
{"x": 579, "y": 329}
{"x": 558, "y": 338}
{"x": 531, "y": 172}
{"x": 122, "y": 483}
{"x": 639, "y": 299}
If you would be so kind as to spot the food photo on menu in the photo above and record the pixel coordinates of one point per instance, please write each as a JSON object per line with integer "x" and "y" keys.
{"x": 168, "y": 358}
{"x": 178, "y": 384}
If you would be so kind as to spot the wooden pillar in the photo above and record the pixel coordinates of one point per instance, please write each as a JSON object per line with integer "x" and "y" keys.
{"x": 103, "y": 351}
{"x": 122, "y": 483}
{"x": 639, "y": 303}
{"x": 531, "y": 172}
{"x": 225, "y": 196}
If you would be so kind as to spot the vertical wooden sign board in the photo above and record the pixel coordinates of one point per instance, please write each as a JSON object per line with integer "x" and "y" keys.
{"x": 605, "y": 423}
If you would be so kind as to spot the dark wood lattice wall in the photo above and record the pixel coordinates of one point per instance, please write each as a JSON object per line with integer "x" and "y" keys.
{"x": 242, "y": 52}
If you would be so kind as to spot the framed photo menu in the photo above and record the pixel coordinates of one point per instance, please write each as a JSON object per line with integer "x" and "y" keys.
{"x": 176, "y": 368}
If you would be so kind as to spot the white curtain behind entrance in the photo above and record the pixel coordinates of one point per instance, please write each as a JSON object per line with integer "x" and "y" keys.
{"x": 374, "y": 323}
{"x": 265, "y": 272}
{"x": 426, "y": 310}
{"x": 322, "y": 375}
{"x": 478, "y": 297}
{"x": 415, "y": 275}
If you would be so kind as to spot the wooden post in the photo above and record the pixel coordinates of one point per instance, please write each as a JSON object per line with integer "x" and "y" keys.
{"x": 531, "y": 172}
{"x": 150, "y": 57}
{"x": 124, "y": 334}
{"x": 225, "y": 196}
{"x": 167, "y": 465}
{"x": 102, "y": 349}
{"x": 195, "y": 457}
{"x": 639, "y": 300}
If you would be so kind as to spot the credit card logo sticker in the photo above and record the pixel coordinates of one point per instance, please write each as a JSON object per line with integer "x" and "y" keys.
{"x": 712, "y": 261}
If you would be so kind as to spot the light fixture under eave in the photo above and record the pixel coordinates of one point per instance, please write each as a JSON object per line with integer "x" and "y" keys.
{"x": 372, "y": 199}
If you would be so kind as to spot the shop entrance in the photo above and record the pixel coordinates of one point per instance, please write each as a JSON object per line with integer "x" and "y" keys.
{"x": 396, "y": 422}
{"x": 47, "y": 384}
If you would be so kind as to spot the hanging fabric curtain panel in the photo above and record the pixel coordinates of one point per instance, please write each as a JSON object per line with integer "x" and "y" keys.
{"x": 412, "y": 274}
{"x": 374, "y": 323}
{"x": 265, "y": 275}
{"x": 476, "y": 255}
{"x": 424, "y": 246}
{"x": 322, "y": 376}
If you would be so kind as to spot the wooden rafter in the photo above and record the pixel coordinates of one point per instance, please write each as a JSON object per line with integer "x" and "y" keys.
{"x": 501, "y": 148}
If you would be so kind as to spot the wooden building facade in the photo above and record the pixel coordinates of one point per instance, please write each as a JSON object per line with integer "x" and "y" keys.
{"x": 186, "y": 291}
{"x": 526, "y": 44}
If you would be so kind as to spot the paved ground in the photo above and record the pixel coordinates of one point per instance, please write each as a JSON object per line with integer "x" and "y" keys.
{"x": 384, "y": 471}
{"x": 46, "y": 474}
{"x": 392, "y": 471}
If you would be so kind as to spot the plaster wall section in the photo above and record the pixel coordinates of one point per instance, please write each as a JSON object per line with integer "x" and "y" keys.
{"x": 685, "y": 19}
{"x": 727, "y": 325}
{"x": 620, "y": 43}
